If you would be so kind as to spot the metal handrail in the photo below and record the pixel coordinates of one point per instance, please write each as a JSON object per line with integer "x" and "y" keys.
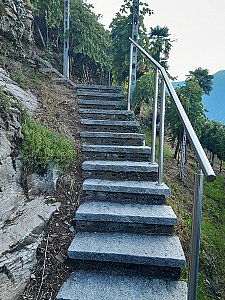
{"x": 199, "y": 151}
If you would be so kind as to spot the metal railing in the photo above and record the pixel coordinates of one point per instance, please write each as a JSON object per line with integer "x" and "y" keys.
{"x": 203, "y": 168}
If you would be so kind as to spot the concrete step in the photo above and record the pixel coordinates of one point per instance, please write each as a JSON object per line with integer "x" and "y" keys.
{"x": 102, "y": 104}
{"x": 125, "y": 191}
{"x": 118, "y": 217}
{"x": 110, "y": 125}
{"x": 101, "y": 95}
{"x": 101, "y": 114}
{"x": 112, "y": 138}
{"x": 128, "y": 153}
{"x": 109, "y": 285}
{"x": 94, "y": 87}
{"x": 120, "y": 170}
{"x": 127, "y": 250}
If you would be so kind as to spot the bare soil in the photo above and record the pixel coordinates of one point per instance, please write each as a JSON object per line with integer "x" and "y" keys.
{"x": 58, "y": 111}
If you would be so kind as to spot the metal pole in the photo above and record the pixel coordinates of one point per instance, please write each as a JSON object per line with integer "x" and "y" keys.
{"x": 109, "y": 78}
{"x": 154, "y": 114}
{"x": 183, "y": 155}
{"x": 133, "y": 51}
{"x": 195, "y": 236}
{"x": 66, "y": 38}
{"x": 130, "y": 78}
{"x": 161, "y": 132}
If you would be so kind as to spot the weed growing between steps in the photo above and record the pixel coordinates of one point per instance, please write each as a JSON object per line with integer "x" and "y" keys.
{"x": 42, "y": 147}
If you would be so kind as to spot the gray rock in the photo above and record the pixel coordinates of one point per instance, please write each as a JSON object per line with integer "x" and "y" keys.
{"x": 93, "y": 285}
{"x": 101, "y": 94}
{"x": 125, "y": 212}
{"x": 103, "y": 112}
{"x": 128, "y": 248}
{"x": 16, "y": 21}
{"x": 119, "y": 166}
{"x": 21, "y": 221}
{"x": 46, "y": 184}
{"x": 117, "y": 149}
{"x": 26, "y": 98}
{"x": 97, "y": 87}
{"x": 127, "y": 136}
{"x": 134, "y": 187}
{"x": 83, "y": 103}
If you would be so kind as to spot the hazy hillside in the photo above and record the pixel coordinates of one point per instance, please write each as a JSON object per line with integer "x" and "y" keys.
{"x": 215, "y": 102}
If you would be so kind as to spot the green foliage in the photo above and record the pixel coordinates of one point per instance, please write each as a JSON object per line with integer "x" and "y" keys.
{"x": 51, "y": 10}
{"x": 90, "y": 43}
{"x": 19, "y": 77}
{"x": 211, "y": 284}
{"x": 121, "y": 30}
{"x": 5, "y": 103}
{"x": 213, "y": 139}
{"x": 190, "y": 96}
{"x": 144, "y": 88}
{"x": 42, "y": 147}
{"x": 203, "y": 79}
{"x": 160, "y": 44}
{"x": 87, "y": 35}
{"x": 143, "y": 95}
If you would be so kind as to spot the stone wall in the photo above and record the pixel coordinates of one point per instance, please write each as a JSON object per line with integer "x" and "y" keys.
{"x": 22, "y": 220}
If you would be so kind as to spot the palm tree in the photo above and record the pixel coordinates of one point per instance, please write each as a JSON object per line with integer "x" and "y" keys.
{"x": 160, "y": 44}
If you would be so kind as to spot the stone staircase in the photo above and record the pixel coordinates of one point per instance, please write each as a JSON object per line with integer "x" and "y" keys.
{"x": 124, "y": 248}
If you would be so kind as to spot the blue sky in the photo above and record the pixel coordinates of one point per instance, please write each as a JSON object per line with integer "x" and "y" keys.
{"x": 197, "y": 25}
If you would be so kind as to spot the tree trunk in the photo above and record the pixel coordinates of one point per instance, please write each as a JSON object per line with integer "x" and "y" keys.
{"x": 41, "y": 36}
{"x": 212, "y": 159}
{"x": 221, "y": 165}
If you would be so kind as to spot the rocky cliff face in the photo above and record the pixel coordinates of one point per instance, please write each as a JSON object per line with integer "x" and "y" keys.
{"x": 22, "y": 220}
{"x": 16, "y": 21}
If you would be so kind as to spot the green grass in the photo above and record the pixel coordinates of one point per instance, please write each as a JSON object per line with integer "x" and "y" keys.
{"x": 211, "y": 285}
{"x": 42, "y": 147}
{"x": 19, "y": 77}
{"x": 167, "y": 152}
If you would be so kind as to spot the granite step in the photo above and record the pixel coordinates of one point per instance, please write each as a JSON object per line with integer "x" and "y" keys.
{"x": 128, "y": 153}
{"x": 110, "y": 125}
{"x": 128, "y": 250}
{"x": 109, "y": 285}
{"x": 93, "y": 87}
{"x": 120, "y": 170}
{"x": 112, "y": 138}
{"x": 102, "y": 104}
{"x": 101, "y": 114}
{"x": 145, "y": 192}
{"x": 118, "y": 217}
{"x": 99, "y": 95}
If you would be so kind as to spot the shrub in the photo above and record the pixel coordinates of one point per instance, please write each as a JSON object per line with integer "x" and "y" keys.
{"x": 41, "y": 147}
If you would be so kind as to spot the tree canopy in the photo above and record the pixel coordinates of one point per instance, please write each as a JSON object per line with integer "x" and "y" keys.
{"x": 203, "y": 78}
{"x": 121, "y": 30}
{"x": 89, "y": 41}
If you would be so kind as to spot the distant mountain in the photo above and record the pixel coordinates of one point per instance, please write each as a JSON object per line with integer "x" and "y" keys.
{"x": 215, "y": 102}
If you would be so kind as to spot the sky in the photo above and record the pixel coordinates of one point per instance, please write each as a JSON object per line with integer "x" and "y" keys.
{"x": 198, "y": 26}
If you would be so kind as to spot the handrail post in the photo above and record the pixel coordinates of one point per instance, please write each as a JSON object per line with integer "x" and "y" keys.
{"x": 133, "y": 52}
{"x": 130, "y": 77}
{"x": 162, "y": 129}
{"x": 154, "y": 114}
{"x": 66, "y": 64}
{"x": 195, "y": 236}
